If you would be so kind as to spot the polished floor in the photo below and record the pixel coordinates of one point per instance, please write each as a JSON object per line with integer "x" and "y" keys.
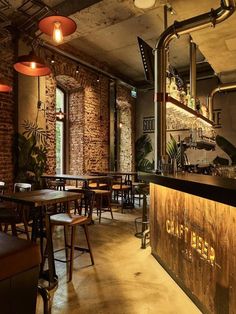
{"x": 125, "y": 279}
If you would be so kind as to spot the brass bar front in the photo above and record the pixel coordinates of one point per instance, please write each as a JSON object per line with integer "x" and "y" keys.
{"x": 194, "y": 238}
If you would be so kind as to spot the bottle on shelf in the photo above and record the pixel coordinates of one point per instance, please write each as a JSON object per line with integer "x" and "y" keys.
{"x": 192, "y": 103}
{"x": 182, "y": 96}
{"x": 167, "y": 84}
{"x": 174, "y": 93}
{"x": 188, "y": 97}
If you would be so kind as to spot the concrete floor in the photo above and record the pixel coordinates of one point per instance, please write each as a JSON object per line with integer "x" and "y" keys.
{"x": 124, "y": 280}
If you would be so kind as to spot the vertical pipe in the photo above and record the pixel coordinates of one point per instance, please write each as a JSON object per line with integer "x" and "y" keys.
{"x": 192, "y": 55}
{"x": 159, "y": 106}
{"x": 211, "y": 18}
{"x": 165, "y": 17}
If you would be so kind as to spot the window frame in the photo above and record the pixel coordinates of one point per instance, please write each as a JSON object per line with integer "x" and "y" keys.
{"x": 64, "y": 122}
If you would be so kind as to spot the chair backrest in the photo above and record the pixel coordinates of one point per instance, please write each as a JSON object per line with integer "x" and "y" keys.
{"x": 22, "y": 187}
{"x": 86, "y": 200}
{"x": 56, "y": 185}
{"x": 117, "y": 180}
{"x": 2, "y": 187}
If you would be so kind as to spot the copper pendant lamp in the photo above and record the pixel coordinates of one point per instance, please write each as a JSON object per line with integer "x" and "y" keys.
{"x": 31, "y": 65}
{"x": 57, "y": 26}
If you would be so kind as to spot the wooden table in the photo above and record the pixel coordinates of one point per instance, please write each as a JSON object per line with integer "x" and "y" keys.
{"x": 84, "y": 178}
{"x": 127, "y": 174}
{"x": 37, "y": 200}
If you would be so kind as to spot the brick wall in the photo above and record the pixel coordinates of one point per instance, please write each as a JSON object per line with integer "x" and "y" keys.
{"x": 76, "y": 129}
{"x": 7, "y": 111}
{"x": 126, "y": 105}
{"x": 88, "y": 119}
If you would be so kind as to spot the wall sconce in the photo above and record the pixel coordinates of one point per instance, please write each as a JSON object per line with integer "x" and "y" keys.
{"x": 40, "y": 104}
{"x": 57, "y": 26}
{"x": 52, "y": 59}
{"x": 144, "y": 4}
{"x": 60, "y": 115}
{"x": 77, "y": 69}
{"x": 120, "y": 125}
{"x": 170, "y": 9}
{"x": 31, "y": 65}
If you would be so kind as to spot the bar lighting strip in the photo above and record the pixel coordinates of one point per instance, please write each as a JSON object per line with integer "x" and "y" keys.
{"x": 144, "y": 59}
{"x": 185, "y": 113}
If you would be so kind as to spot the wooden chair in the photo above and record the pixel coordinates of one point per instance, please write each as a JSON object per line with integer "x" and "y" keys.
{"x": 56, "y": 185}
{"x": 103, "y": 197}
{"x": 69, "y": 220}
{"x": 121, "y": 189}
{"x": 13, "y": 215}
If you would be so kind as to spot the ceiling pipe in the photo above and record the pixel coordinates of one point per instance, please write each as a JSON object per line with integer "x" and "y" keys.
{"x": 177, "y": 29}
{"x": 218, "y": 89}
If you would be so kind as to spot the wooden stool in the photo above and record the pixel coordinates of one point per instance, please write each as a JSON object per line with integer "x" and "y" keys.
{"x": 68, "y": 220}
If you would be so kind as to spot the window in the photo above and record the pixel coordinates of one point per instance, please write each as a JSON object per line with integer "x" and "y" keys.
{"x": 60, "y": 131}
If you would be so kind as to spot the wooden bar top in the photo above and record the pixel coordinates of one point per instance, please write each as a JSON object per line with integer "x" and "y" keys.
{"x": 215, "y": 188}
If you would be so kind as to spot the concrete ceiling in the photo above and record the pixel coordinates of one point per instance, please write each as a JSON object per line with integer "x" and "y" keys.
{"x": 108, "y": 30}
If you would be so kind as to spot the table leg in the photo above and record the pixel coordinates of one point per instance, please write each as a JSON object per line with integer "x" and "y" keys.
{"x": 51, "y": 272}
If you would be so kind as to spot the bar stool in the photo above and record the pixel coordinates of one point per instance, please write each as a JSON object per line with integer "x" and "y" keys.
{"x": 103, "y": 197}
{"x": 122, "y": 189}
{"x": 68, "y": 220}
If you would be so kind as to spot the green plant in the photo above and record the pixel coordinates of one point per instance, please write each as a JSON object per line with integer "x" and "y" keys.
{"x": 143, "y": 147}
{"x": 227, "y": 147}
{"x": 174, "y": 151}
{"x": 31, "y": 153}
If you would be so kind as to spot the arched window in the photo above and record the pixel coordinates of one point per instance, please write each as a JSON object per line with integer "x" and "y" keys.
{"x": 60, "y": 130}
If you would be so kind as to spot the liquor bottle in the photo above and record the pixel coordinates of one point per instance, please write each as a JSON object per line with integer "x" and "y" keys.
{"x": 167, "y": 84}
{"x": 173, "y": 88}
{"x": 182, "y": 96}
{"x": 192, "y": 103}
{"x": 188, "y": 97}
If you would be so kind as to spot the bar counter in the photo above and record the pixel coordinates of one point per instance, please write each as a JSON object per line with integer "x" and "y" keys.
{"x": 193, "y": 236}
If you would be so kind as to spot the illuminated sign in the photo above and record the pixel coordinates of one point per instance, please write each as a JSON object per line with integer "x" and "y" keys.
{"x": 193, "y": 241}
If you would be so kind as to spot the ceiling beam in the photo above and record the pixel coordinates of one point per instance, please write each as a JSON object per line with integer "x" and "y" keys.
{"x": 67, "y": 8}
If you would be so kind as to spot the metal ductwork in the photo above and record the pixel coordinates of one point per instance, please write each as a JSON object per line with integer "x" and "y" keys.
{"x": 218, "y": 89}
{"x": 177, "y": 29}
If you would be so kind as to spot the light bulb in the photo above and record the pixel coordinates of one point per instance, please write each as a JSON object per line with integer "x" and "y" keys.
{"x": 144, "y": 4}
{"x": 57, "y": 33}
{"x": 33, "y": 65}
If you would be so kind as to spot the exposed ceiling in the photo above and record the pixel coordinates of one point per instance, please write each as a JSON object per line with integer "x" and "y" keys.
{"x": 107, "y": 30}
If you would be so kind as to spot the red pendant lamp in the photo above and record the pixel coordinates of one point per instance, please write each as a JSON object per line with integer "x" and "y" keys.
{"x": 31, "y": 65}
{"x": 57, "y": 26}
{"x": 4, "y": 88}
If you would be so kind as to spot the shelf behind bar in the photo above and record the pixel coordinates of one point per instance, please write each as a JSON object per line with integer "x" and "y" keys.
{"x": 184, "y": 107}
